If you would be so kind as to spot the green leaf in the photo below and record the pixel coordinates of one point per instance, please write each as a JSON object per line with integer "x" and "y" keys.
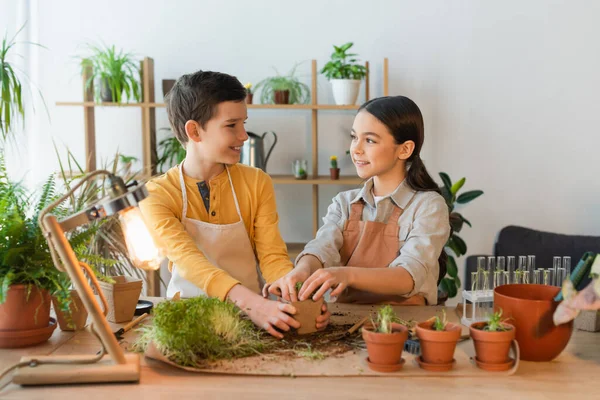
{"x": 446, "y": 180}
{"x": 462, "y": 246}
{"x": 449, "y": 286}
{"x": 456, "y": 221}
{"x": 457, "y": 186}
{"x": 465, "y": 221}
{"x": 451, "y": 268}
{"x": 469, "y": 196}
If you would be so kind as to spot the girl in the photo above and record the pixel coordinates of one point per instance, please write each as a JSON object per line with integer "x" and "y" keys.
{"x": 382, "y": 243}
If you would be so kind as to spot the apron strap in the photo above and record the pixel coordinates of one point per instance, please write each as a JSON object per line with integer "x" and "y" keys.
{"x": 395, "y": 215}
{"x": 356, "y": 211}
{"x": 237, "y": 205}
{"x": 183, "y": 193}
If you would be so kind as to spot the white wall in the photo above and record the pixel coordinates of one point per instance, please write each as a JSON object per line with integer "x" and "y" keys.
{"x": 509, "y": 90}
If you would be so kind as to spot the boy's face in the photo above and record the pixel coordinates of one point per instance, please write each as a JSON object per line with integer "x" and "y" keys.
{"x": 224, "y": 134}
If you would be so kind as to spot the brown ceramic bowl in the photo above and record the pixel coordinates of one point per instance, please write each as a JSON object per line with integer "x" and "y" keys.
{"x": 530, "y": 309}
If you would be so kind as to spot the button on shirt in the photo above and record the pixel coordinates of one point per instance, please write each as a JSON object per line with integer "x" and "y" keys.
{"x": 424, "y": 230}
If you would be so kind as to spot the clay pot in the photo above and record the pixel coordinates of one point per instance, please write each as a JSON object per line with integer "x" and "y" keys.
{"x": 76, "y": 318}
{"x": 307, "y": 312}
{"x": 249, "y": 97}
{"x": 19, "y": 313}
{"x": 437, "y": 347}
{"x": 281, "y": 96}
{"x": 167, "y": 85}
{"x": 385, "y": 349}
{"x": 491, "y": 347}
{"x": 122, "y": 297}
{"x": 334, "y": 173}
{"x": 530, "y": 308}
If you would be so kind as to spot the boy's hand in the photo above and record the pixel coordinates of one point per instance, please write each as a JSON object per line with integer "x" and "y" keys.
{"x": 323, "y": 319}
{"x": 285, "y": 287}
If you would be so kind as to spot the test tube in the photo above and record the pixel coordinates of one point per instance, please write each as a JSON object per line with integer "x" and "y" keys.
{"x": 555, "y": 267}
{"x": 567, "y": 266}
{"x": 500, "y": 268}
{"x": 510, "y": 270}
{"x": 537, "y": 278}
{"x": 490, "y": 269}
{"x": 521, "y": 268}
{"x": 474, "y": 281}
{"x": 530, "y": 268}
{"x": 481, "y": 273}
{"x": 561, "y": 276}
{"x": 548, "y": 275}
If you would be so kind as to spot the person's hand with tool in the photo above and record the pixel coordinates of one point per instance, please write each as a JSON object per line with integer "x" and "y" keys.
{"x": 574, "y": 302}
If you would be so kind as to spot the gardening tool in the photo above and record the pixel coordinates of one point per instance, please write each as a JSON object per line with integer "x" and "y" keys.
{"x": 350, "y": 331}
{"x": 253, "y": 150}
{"x": 119, "y": 334}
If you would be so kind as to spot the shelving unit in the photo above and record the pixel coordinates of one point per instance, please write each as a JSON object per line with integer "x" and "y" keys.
{"x": 148, "y": 108}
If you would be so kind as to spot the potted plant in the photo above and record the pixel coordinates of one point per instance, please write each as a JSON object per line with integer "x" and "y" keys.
{"x": 170, "y": 152}
{"x": 307, "y": 312}
{"x": 492, "y": 340}
{"x": 283, "y": 89}
{"x": 344, "y": 74}
{"x": 300, "y": 167}
{"x": 385, "y": 340}
{"x": 334, "y": 171}
{"x": 249, "y": 93}
{"x": 438, "y": 339}
{"x": 114, "y": 72}
{"x": 11, "y": 86}
{"x": 450, "y": 284}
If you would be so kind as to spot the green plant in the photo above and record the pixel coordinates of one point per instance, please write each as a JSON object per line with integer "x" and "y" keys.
{"x": 193, "y": 331}
{"x": 451, "y": 282}
{"x": 439, "y": 324}
{"x": 248, "y": 87}
{"x": 11, "y": 87}
{"x": 334, "y": 163}
{"x": 343, "y": 65}
{"x": 495, "y": 323}
{"x": 171, "y": 152}
{"x": 112, "y": 70}
{"x": 385, "y": 317}
{"x": 299, "y": 92}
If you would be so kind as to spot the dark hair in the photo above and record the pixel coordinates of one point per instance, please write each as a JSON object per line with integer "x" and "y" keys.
{"x": 404, "y": 120}
{"x": 196, "y": 96}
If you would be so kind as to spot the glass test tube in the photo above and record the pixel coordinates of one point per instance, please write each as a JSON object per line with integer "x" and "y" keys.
{"x": 555, "y": 267}
{"x": 567, "y": 266}
{"x": 530, "y": 268}
{"x": 510, "y": 270}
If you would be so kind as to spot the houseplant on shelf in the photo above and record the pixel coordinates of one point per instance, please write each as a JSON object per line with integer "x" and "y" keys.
{"x": 344, "y": 74}
{"x": 170, "y": 152}
{"x": 492, "y": 340}
{"x": 438, "y": 339}
{"x": 249, "y": 93}
{"x": 114, "y": 72}
{"x": 334, "y": 171}
{"x": 12, "y": 80}
{"x": 283, "y": 89}
{"x": 385, "y": 340}
{"x": 451, "y": 282}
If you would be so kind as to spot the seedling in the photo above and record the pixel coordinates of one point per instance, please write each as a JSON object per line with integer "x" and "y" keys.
{"x": 440, "y": 323}
{"x": 495, "y": 323}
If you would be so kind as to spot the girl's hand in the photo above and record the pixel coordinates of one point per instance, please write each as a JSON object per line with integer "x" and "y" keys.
{"x": 285, "y": 287}
{"x": 336, "y": 278}
{"x": 323, "y": 319}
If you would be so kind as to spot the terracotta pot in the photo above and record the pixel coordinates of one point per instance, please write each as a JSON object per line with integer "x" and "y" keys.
{"x": 307, "y": 312}
{"x": 19, "y": 313}
{"x": 385, "y": 348}
{"x": 167, "y": 85}
{"x": 122, "y": 297}
{"x": 437, "y": 347}
{"x": 334, "y": 173}
{"x": 249, "y": 97}
{"x": 281, "y": 96}
{"x": 24, "y": 338}
{"x": 530, "y": 309}
{"x": 491, "y": 347}
{"x": 76, "y": 318}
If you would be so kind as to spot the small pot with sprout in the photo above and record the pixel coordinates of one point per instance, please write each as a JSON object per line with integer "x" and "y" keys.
{"x": 492, "y": 340}
{"x": 385, "y": 339}
{"x": 438, "y": 339}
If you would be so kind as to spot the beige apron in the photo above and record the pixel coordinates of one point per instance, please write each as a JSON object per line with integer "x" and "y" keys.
{"x": 226, "y": 246}
{"x": 369, "y": 244}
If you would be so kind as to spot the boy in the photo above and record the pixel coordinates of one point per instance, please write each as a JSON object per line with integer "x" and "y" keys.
{"x": 216, "y": 218}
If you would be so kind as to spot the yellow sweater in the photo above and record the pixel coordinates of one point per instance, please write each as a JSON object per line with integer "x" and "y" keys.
{"x": 163, "y": 208}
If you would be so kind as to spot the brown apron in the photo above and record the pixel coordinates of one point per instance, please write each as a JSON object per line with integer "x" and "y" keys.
{"x": 369, "y": 244}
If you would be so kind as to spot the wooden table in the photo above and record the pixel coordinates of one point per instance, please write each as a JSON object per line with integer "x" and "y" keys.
{"x": 573, "y": 375}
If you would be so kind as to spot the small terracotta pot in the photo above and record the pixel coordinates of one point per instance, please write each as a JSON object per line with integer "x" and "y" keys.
{"x": 385, "y": 348}
{"x": 491, "y": 347}
{"x": 437, "y": 347}
{"x": 122, "y": 297}
{"x": 281, "y": 96}
{"x": 307, "y": 312}
{"x": 249, "y": 97}
{"x": 76, "y": 318}
{"x": 530, "y": 309}
{"x": 19, "y": 313}
{"x": 334, "y": 173}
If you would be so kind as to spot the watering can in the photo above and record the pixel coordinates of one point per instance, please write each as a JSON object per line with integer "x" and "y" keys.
{"x": 253, "y": 150}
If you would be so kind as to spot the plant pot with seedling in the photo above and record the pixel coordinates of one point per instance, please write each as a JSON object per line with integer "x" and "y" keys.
{"x": 492, "y": 340}
{"x": 334, "y": 171}
{"x": 385, "y": 339}
{"x": 307, "y": 312}
{"x": 345, "y": 75}
{"x": 438, "y": 341}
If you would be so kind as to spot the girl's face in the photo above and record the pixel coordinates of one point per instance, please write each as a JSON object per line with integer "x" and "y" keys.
{"x": 373, "y": 149}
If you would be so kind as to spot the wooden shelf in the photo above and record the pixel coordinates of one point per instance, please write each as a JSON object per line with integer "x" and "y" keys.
{"x": 294, "y": 249}
{"x": 320, "y": 180}
{"x": 250, "y": 106}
